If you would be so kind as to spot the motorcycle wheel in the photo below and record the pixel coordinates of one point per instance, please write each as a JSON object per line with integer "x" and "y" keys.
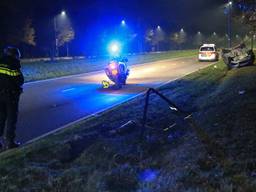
{"x": 124, "y": 78}
{"x": 118, "y": 86}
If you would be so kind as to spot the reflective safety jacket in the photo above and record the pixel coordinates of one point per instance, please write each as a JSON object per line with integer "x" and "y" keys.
{"x": 11, "y": 77}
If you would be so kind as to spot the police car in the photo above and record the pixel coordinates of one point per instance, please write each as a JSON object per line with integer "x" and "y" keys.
{"x": 208, "y": 52}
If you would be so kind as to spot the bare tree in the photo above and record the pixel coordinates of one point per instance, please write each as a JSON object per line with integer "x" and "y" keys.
{"x": 29, "y": 33}
{"x": 179, "y": 38}
{"x": 246, "y": 13}
{"x": 247, "y": 40}
{"x": 150, "y": 38}
{"x": 213, "y": 38}
{"x": 66, "y": 35}
{"x": 198, "y": 39}
{"x": 155, "y": 37}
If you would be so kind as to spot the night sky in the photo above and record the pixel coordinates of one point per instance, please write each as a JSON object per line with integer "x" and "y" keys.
{"x": 170, "y": 13}
{"x": 92, "y": 18}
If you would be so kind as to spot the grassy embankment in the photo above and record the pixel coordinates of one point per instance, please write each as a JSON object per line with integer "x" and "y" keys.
{"x": 45, "y": 70}
{"x": 86, "y": 157}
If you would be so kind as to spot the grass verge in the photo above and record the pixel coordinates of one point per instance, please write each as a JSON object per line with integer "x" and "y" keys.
{"x": 45, "y": 70}
{"x": 89, "y": 157}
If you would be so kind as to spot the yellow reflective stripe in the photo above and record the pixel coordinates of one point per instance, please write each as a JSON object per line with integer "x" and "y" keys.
{"x": 9, "y": 72}
{"x": 3, "y": 65}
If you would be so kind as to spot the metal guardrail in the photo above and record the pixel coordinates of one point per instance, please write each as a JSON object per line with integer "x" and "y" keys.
{"x": 172, "y": 106}
{"x": 211, "y": 146}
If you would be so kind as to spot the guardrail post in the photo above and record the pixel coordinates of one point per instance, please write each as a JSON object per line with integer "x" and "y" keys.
{"x": 210, "y": 145}
{"x": 144, "y": 120}
{"x": 172, "y": 106}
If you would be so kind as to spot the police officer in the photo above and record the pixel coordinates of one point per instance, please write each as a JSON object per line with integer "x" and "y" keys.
{"x": 11, "y": 81}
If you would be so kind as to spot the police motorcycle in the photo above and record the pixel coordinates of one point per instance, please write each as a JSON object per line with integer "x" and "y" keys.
{"x": 117, "y": 71}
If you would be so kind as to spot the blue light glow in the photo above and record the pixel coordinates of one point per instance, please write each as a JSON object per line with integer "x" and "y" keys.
{"x": 115, "y": 48}
{"x": 123, "y": 23}
{"x": 148, "y": 175}
{"x": 88, "y": 97}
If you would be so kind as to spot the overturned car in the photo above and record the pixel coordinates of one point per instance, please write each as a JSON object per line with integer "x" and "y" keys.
{"x": 238, "y": 56}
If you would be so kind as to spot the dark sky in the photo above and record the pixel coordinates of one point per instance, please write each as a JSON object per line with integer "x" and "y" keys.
{"x": 91, "y": 18}
{"x": 193, "y": 15}
{"x": 170, "y": 13}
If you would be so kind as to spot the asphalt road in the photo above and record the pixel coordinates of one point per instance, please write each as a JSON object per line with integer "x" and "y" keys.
{"x": 48, "y": 105}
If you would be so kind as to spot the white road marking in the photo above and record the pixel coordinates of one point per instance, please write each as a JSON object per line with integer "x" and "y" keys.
{"x": 66, "y": 90}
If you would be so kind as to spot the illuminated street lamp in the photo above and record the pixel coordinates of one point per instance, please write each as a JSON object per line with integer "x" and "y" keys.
{"x": 159, "y": 34}
{"x": 229, "y": 23}
{"x": 253, "y": 37}
{"x": 63, "y": 15}
{"x": 199, "y": 38}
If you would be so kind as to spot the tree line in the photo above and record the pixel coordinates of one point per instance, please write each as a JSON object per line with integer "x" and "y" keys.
{"x": 21, "y": 27}
{"x": 156, "y": 41}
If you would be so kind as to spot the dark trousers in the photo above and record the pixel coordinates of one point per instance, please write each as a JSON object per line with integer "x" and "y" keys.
{"x": 9, "y": 104}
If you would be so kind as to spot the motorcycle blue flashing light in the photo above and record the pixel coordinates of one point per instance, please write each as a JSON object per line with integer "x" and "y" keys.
{"x": 114, "y": 48}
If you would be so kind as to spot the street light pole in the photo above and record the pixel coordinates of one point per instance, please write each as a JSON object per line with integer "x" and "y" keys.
{"x": 56, "y": 54}
{"x": 252, "y": 41}
{"x": 63, "y": 14}
{"x": 253, "y": 37}
{"x": 229, "y": 24}
{"x": 158, "y": 33}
